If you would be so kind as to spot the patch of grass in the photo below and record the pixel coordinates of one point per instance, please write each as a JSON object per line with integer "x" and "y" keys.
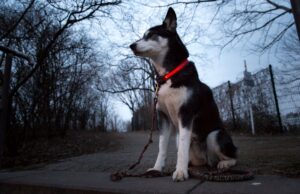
{"x": 270, "y": 154}
{"x": 75, "y": 143}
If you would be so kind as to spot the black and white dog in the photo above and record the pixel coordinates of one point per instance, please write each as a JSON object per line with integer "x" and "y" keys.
{"x": 184, "y": 103}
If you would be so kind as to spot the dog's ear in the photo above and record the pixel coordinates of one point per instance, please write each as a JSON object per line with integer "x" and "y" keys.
{"x": 170, "y": 21}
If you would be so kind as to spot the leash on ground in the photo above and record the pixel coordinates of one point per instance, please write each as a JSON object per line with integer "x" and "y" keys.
{"x": 120, "y": 174}
{"x": 228, "y": 175}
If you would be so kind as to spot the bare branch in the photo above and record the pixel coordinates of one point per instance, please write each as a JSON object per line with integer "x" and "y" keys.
{"x": 256, "y": 29}
{"x": 278, "y": 37}
{"x": 114, "y": 91}
{"x": 277, "y": 6}
{"x": 17, "y": 54}
{"x": 183, "y": 2}
{"x": 13, "y": 27}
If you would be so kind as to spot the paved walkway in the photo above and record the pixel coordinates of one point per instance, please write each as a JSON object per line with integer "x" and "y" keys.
{"x": 51, "y": 182}
{"x": 132, "y": 145}
{"x": 90, "y": 174}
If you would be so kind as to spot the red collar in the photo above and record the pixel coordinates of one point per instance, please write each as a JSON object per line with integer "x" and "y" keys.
{"x": 167, "y": 76}
{"x": 176, "y": 70}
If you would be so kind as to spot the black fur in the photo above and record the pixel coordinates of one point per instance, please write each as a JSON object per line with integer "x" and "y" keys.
{"x": 201, "y": 111}
{"x": 226, "y": 145}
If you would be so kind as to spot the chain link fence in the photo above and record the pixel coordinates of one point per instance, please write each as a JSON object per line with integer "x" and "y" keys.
{"x": 259, "y": 103}
{"x": 289, "y": 103}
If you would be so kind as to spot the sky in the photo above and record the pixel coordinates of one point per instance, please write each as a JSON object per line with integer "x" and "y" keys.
{"x": 214, "y": 66}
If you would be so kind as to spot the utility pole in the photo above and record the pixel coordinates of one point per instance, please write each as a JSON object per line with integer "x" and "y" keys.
{"x": 296, "y": 12}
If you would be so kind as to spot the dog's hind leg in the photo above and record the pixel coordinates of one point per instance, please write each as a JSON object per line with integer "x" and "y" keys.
{"x": 165, "y": 128}
{"x": 197, "y": 152}
{"x": 221, "y": 151}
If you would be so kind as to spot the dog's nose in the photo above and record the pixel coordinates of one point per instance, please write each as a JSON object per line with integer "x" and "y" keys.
{"x": 133, "y": 46}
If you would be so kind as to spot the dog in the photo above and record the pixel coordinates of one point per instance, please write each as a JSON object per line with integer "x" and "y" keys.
{"x": 185, "y": 104}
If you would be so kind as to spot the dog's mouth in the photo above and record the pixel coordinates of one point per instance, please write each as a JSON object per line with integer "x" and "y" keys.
{"x": 139, "y": 53}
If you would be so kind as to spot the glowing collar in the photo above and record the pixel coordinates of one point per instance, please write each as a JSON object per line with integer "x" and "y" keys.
{"x": 162, "y": 79}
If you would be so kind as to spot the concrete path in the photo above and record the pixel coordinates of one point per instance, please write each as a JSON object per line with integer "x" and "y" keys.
{"x": 52, "y": 182}
{"x": 91, "y": 174}
{"x": 131, "y": 147}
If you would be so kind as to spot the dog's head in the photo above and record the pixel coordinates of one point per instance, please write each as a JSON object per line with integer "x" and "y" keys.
{"x": 156, "y": 40}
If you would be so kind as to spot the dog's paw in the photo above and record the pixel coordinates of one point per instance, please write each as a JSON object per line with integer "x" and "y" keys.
{"x": 154, "y": 169}
{"x": 180, "y": 175}
{"x": 225, "y": 164}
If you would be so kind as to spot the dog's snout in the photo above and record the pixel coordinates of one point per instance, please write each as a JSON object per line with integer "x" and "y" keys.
{"x": 133, "y": 46}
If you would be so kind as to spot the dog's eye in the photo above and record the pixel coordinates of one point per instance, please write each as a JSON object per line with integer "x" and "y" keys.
{"x": 154, "y": 37}
{"x": 151, "y": 36}
{"x": 147, "y": 36}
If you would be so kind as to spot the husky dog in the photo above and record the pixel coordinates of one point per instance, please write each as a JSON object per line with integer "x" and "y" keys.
{"x": 185, "y": 104}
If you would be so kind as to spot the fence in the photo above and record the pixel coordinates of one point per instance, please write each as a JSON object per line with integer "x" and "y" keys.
{"x": 259, "y": 103}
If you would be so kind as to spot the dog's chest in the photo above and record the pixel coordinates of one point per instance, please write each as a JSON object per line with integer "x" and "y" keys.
{"x": 171, "y": 99}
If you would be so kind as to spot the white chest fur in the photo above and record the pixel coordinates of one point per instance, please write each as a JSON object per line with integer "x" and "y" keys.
{"x": 171, "y": 99}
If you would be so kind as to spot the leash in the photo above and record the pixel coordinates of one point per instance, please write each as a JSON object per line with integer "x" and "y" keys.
{"x": 154, "y": 126}
{"x": 120, "y": 174}
{"x": 228, "y": 175}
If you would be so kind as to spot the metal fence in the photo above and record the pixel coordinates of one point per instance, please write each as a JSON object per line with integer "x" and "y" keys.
{"x": 259, "y": 103}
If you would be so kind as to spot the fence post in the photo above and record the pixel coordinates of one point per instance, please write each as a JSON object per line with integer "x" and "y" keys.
{"x": 275, "y": 98}
{"x": 5, "y": 102}
{"x": 231, "y": 105}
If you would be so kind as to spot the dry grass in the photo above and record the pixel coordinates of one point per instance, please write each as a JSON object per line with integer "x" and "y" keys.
{"x": 75, "y": 143}
{"x": 270, "y": 154}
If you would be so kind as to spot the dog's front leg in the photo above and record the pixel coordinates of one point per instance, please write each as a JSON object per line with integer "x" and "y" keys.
{"x": 164, "y": 136}
{"x": 184, "y": 141}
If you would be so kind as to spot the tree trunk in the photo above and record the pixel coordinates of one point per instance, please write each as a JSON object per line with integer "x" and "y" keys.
{"x": 296, "y": 12}
{"x": 5, "y": 104}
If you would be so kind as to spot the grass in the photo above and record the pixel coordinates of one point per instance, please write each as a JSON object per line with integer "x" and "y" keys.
{"x": 270, "y": 154}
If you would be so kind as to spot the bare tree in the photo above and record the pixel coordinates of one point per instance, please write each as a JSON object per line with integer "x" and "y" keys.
{"x": 266, "y": 22}
{"x": 133, "y": 84}
{"x": 68, "y": 14}
{"x": 51, "y": 92}
{"x": 289, "y": 57}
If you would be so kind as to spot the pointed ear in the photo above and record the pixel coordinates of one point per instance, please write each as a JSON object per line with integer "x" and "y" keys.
{"x": 170, "y": 22}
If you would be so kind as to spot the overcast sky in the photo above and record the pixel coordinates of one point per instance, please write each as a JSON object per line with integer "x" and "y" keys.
{"x": 214, "y": 67}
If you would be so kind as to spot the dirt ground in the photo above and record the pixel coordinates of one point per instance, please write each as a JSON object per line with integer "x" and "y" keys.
{"x": 109, "y": 152}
